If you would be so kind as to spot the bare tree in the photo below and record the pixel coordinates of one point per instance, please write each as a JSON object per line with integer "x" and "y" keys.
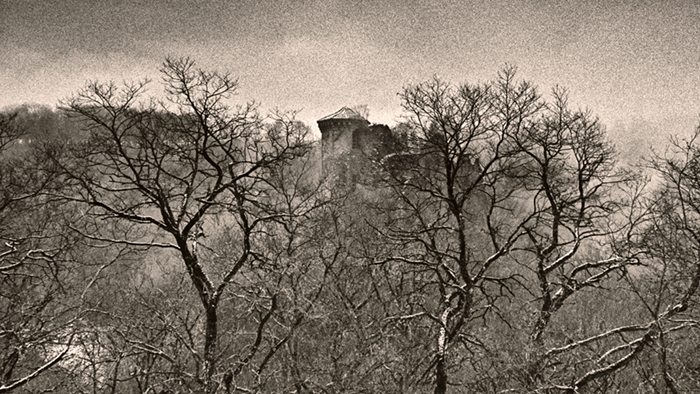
{"x": 451, "y": 188}
{"x": 576, "y": 197}
{"x": 654, "y": 249}
{"x": 498, "y": 197}
{"x": 176, "y": 168}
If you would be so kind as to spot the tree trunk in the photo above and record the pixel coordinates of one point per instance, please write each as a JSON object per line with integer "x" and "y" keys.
{"x": 210, "y": 339}
{"x": 440, "y": 370}
{"x": 440, "y": 376}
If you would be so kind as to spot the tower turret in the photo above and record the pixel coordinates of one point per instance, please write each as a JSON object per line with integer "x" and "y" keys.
{"x": 337, "y": 130}
{"x": 349, "y": 142}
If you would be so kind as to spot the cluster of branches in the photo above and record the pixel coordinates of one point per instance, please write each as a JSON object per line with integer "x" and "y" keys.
{"x": 499, "y": 196}
{"x": 187, "y": 244}
{"x": 35, "y": 321}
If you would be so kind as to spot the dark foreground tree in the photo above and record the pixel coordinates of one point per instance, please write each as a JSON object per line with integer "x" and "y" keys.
{"x": 451, "y": 190}
{"x": 661, "y": 346}
{"x": 176, "y": 170}
{"x": 506, "y": 210}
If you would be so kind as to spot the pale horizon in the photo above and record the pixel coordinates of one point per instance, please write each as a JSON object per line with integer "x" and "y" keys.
{"x": 633, "y": 64}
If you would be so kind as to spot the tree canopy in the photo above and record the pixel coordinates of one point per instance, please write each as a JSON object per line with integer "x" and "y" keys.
{"x": 186, "y": 242}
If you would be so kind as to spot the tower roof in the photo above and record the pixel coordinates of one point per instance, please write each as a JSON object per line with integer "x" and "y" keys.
{"x": 343, "y": 113}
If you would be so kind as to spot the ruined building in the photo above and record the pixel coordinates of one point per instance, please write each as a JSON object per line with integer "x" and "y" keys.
{"x": 349, "y": 142}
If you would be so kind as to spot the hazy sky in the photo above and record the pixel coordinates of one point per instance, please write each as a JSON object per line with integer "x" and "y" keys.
{"x": 633, "y": 63}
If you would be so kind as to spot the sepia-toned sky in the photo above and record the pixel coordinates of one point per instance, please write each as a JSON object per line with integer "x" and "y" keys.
{"x": 636, "y": 64}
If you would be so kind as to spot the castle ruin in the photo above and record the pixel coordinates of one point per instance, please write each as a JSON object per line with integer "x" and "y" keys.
{"x": 348, "y": 140}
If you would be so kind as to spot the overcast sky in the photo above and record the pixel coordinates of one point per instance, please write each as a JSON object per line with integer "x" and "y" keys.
{"x": 633, "y": 63}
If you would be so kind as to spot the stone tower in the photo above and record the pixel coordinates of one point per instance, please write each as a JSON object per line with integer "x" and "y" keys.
{"x": 348, "y": 139}
{"x": 337, "y": 130}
